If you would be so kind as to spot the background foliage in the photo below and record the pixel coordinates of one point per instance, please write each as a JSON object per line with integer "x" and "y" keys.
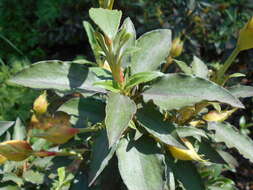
{"x": 36, "y": 30}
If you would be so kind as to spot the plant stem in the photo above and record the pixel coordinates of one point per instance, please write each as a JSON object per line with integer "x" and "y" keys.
{"x": 89, "y": 129}
{"x": 227, "y": 64}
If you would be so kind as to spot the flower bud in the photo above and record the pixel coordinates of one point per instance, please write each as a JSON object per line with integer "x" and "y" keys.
{"x": 218, "y": 116}
{"x": 15, "y": 150}
{"x": 182, "y": 154}
{"x": 58, "y": 134}
{"x": 177, "y": 47}
{"x": 245, "y": 40}
{"x": 40, "y": 104}
{"x": 45, "y": 122}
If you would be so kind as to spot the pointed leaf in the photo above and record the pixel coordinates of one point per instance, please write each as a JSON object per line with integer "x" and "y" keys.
{"x": 140, "y": 165}
{"x": 184, "y": 67}
{"x": 129, "y": 27}
{"x": 85, "y": 109}
{"x": 241, "y": 91}
{"x": 224, "y": 132}
{"x": 174, "y": 91}
{"x": 92, "y": 38}
{"x": 210, "y": 153}
{"x": 101, "y": 156}
{"x": 4, "y": 126}
{"x": 119, "y": 112}
{"x": 199, "y": 68}
{"x": 108, "y": 85}
{"x": 190, "y": 131}
{"x": 152, "y": 121}
{"x": 154, "y": 48}
{"x": 142, "y": 77}
{"x": 186, "y": 173}
{"x": 107, "y": 20}
{"x": 19, "y": 132}
{"x": 58, "y": 75}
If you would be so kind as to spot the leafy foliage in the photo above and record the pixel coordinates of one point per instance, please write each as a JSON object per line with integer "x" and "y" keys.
{"x": 125, "y": 113}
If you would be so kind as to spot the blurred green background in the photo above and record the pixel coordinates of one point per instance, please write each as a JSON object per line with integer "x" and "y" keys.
{"x": 35, "y": 30}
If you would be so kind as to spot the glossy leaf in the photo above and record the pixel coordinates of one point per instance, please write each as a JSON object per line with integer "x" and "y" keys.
{"x": 142, "y": 77}
{"x": 4, "y": 126}
{"x": 19, "y": 131}
{"x": 152, "y": 121}
{"x": 186, "y": 173}
{"x": 154, "y": 48}
{"x": 210, "y": 153}
{"x": 184, "y": 67}
{"x": 228, "y": 134}
{"x": 92, "y": 38}
{"x": 190, "y": 131}
{"x": 140, "y": 165}
{"x": 107, "y": 20}
{"x": 85, "y": 109}
{"x": 241, "y": 91}
{"x": 199, "y": 68}
{"x": 128, "y": 47}
{"x": 108, "y": 85}
{"x": 101, "y": 155}
{"x": 58, "y": 75}
{"x": 174, "y": 91}
{"x": 119, "y": 112}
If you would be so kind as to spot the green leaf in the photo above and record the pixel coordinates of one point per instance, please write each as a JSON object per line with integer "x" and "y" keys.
{"x": 10, "y": 187}
{"x": 232, "y": 162}
{"x": 154, "y": 48}
{"x": 142, "y": 77}
{"x": 92, "y": 38}
{"x": 129, "y": 47}
{"x": 34, "y": 177}
{"x": 152, "y": 121}
{"x": 19, "y": 132}
{"x": 175, "y": 91}
{"x": 119, "y": 112}
{"x": 224, "y": 132}
{"x": 236, "y": 75}
{"x": 85, "y": 109}
{"x": 4, "y": 126}
{"x": 14, "y": 178}
{"x": 101, "y": 155}
{"x": 58, "y": 75}
{"x": 210, "y": 153}
{"x": 186, "y": 173}
{"x": 190, "y": 131}
{"x": 110, "y": 85}
{"x": 107, "y": 20}
{"x": 199, "y": 68}
{"x": 184, "y": 67}
{"x": 241, "y": 91}
{"x": 101, "y": 73}
{"x": 140, "y": 164}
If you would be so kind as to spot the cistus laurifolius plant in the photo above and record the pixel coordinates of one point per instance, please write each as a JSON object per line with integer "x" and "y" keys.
{"x": 159, "y": 126}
